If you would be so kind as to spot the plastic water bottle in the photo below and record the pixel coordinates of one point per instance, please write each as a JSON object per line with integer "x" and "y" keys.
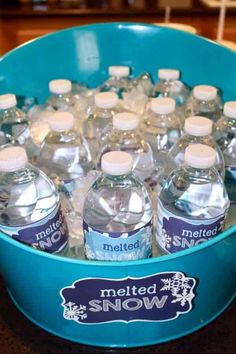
{"x": 169, "y": 85}
{"x": 204, "y": 101}
{"x": 118, "y": 81}
{"x": 225, "y": 135}
{"x": 99, "y": 120}
{"x": 65, "y": 154}
{"x": 125, "y": 136}
{"x": 61, "y": 98}
{"x": 15, "y": 126}
{"x": 66, "y": 158}
{"x": 161, "y": 129}
{"x": 117, "y": 213}
{"x": 29, "y": 204}
{"x": 193, "y": 203}
{"x": 198, "y": 130}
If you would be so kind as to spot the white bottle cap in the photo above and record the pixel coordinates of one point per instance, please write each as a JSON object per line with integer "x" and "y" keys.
{"x": 7, "y": 101}
{"x": 198, "y": 126}
{"x": 163, "y": 105}
{"x": 125, "y": 121}
{"x": 117, "y": 163}
{"x": 12, "y": 159}
{"x": 119, "y": 71}
{"x": 230, "y": 109}
{"x": 204, "y": 92}
{"x": 61, "y": 121}
{"x": 106, "y": 100}
{"x": 200, "y": 156}
{"x": 168, "y": 74}
{"x": 60, "y": 86}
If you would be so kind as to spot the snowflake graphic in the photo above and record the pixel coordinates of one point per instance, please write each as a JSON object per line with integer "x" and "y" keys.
{"x": 180, "y": 288}
{"x": 176, "y": 283}
{"x": 165, "y": 239}
{"x": 74, "y": 312}
{"x": 183, "y": 297}
{"x": 90, "y": 254}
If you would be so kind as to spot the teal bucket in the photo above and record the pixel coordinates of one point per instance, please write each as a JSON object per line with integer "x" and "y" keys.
{"x": 123, "y": 304}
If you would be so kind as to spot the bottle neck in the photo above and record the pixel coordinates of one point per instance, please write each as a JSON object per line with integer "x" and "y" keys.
{"x": 104, "y": 112}
{"x": 231, "y": 119}
{"x": 198, "y": 171}
{"x": 206, "y": 102}
{"x": 117, "y": 178}
{"x": 6, "y": 111}
{"x": 198, "y": 137}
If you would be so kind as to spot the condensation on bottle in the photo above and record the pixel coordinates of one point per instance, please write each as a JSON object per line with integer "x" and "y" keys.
{"x": 193, "y": 203}
{"x": 126, "y": 136}
{"x": 198, "y": 130}
{"x": 117, "y": 215}
{"x": 225, "y": 135}
{"x": 30, "y": 210}
{"x": 204, "y": 101}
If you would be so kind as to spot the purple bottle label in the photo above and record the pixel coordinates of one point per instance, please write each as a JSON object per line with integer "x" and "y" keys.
{"x": 160, "y": 297}
{"x": 175, "y": 233}
{"x": 49, "y": 234}
{"x": 118, "y": 246}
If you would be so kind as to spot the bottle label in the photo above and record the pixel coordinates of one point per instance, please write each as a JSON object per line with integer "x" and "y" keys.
{"x": 49, "y": 234}
{"x": 175, "y": 233}
{"x": 230, "y": 181}
{"x": 159, "y": 297}
{"x": 118, "y": 246}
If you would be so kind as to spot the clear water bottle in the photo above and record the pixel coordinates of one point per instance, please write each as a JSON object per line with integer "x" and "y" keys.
{"x": 65, "y": 154}
{"x": 65, "y": 96}
{"x": 117, "y": 213}
{"x": 225, "y": 135}
{"x": 119, "y": 80}
{"x": 29, "y": 204}
{"x": 99, "y": 123}
{"x": 169, "y": 85}
{"x": 15, "y": 126}
{"x": 125, "y": 136}
{"x": 198, "y": 130}
{"x": 62, "y": 98}
{"x": 204, "y": 101}
{"x": 65, "y": 157}
{"x": 161, "y": 129}
{"x": 193, "y": 203}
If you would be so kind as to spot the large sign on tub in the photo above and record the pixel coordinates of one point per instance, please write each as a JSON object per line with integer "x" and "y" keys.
{"x": 160, "y": 297}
